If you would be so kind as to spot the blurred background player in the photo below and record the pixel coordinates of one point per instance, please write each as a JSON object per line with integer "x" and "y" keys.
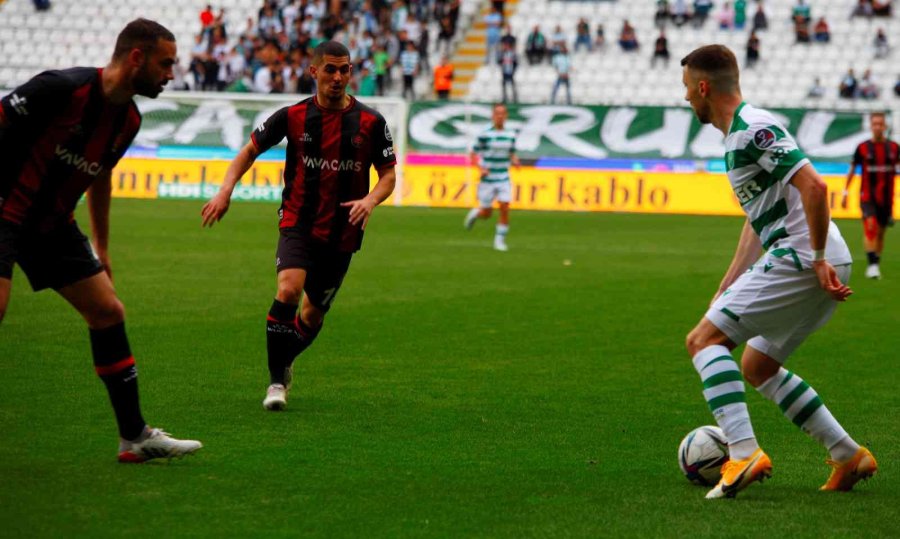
{"x": 493, "y": 153}
{"x": 786, "y": 295}
{"x": 61, "y": 134}
{"x": 879, "y": 158}
{"x": 333, "y": 141}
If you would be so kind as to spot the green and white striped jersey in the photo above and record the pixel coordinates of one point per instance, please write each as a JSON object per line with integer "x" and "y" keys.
{"x": 761, "y": 158}
{"x": 495, "y": 147}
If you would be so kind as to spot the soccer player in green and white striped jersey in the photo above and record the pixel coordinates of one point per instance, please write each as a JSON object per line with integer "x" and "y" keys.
{"x": 787, "y": 293}
{"x": 493, "y": 153}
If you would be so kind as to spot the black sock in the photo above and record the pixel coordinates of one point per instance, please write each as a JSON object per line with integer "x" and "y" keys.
{"x": 115, "y": 366}
{"x": 282, "y": 339}
{"x": 307, "y": 335}
{"x": 873, "y": 257}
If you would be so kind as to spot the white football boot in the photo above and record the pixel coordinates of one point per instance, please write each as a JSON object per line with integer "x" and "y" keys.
{"x": 157, "y": 445}
{"x": 276, "y": 398}
{"x": 873, "y": 272}
{"x": 500, "y": 244}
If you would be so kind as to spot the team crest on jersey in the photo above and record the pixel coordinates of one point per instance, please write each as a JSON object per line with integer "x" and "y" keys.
{"x": 357, "y": 140}
{"x": 764, "y": 138}
{"x": 305, "y": 137}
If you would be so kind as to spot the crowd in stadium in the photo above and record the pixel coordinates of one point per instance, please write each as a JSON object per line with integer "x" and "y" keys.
{"x": 272, "y": 52}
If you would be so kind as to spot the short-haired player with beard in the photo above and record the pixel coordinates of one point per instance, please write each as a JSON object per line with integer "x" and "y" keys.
{"x": 61, "y": 134}
{"x": 333, "y": 141}
{"x": 798, "y": 266}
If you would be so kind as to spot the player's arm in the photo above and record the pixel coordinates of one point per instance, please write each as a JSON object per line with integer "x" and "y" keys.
{"x": 98, "y": 198}
{"x": 514, "y": 159}
{"x": 361, "y": 209}
{"x": 215, "y": 209}
{"x": 748, "y": 250}
{"x": 814, "y": 194}
{"x": 857, "y": 159}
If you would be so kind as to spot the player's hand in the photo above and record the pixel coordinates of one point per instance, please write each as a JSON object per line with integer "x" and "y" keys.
{"x": 830, "y": 282}
{"x": 214, "y": 210}
{"x": 360, "y": 210}
{"x": 844, "y": 200}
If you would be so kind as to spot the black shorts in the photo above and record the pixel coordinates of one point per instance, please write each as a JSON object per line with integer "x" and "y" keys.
{"x": 325, "y": 266}
{"x": 883, "y": 214}
{"x": 53, "y": 259}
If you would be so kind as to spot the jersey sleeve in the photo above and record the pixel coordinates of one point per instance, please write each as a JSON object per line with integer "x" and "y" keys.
{"x": 270, "y": 132}
{"x": 35, "y": 102}
{"x": 774, "y": 150}
{"x": 382, "y": 145}
{"x": 857, "y": 157}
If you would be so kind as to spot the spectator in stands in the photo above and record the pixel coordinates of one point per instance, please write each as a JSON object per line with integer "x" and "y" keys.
{"x": 821, "y": 31}
{"x": 563, "y": 66}
{"x": 409, "y": 65}
{"x": 557, "y": 41}
{"x": 897, "y": 87}
{"x": 493, "y": 21}
{"x": 863, "y": 9}
{"x": 816, "y": 90}
{"x": 740, "y": 14}
{"x": 583, "y": 36}
{"x": 443, "y": 78}
{"x": 365, "y": 82}
{"x": 760, "y": 21}
{"x": 726, "y": 17}
{"x": 290, "y": 13}
{"x": 662, "y": 13}
{"x": 509, "y": 62}
{"x": 680, "y": 13}
{"x": 445, "y": 34}
{"x": 41, "y": 5}
{"x": 701, "y": 12}
{"x": 412, "y": 27}
{"x": 660, "y": 50}
{"x": 269, "y": 23}
{"x": 499, "y": 7}
{"x": 599, "y": 37}
{"x": 752, "y": 49}
{"x": 881, "y": 8}
{"x": 801, "y": 9}
{"x": 801, "y": 30}
{"x": 848, "y": 86}
{"x": 508, "y": 37}
{"x": 199, "y": 56}
{"x": 881, "y": 44}
{"x": 868, "y": 87}
{"x": 627, "y": 38}
{"x": 207, "y": 17}
{"x": 535, "y": 46}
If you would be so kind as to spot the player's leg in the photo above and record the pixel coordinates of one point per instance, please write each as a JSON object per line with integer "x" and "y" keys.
{"x": 282, "y": 336}
{"x": 871, "y": 229}
{"x": 95, "y": 299}
{"x": 5, "y": 288}
{"x": 762, "y": 364}
{"x": 485, "y": 197}
{"x": 503, "y": 194}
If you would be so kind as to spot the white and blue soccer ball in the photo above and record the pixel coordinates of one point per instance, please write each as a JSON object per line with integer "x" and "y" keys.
{"x": 701, "y": 455}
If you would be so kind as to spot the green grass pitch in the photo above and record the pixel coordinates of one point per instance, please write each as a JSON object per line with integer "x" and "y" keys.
{"x": 454, "y": 392}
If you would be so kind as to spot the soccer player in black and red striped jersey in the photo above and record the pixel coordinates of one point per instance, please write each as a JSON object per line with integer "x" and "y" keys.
{"x": 332, "y": 142}
{"x": 61, "y": 134}
{"x": 879, "y": 158}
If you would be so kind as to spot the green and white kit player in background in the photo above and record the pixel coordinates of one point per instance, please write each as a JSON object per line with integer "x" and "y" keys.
{"x": 788, "y": 292}
{"x": 493, "y": 153}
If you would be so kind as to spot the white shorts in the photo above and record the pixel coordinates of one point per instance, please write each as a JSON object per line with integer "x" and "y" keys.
{"x": 489, "y": 191}
{"x": 774, "y": 307}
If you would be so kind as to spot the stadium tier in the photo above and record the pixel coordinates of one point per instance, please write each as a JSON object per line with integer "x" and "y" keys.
{"x": 78, "y": 33}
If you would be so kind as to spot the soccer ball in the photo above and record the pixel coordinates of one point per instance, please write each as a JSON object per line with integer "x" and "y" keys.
{"x": 701, "y": 455}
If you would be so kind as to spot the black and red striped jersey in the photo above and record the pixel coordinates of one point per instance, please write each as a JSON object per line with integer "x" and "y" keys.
{"x": 329, "y": 154}
{"x": 879, "y": 161}
{"x": 60, "y": 134}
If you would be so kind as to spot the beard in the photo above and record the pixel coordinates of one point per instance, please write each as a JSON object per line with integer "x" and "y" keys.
{"x": 703, "y": 114}
{"x": 146, "y": 85}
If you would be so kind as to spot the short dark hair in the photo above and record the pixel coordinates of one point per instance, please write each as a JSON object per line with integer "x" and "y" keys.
{"x": 331, "y": 48}
{"x": 878, "y": 113}
{"x": 140, "y": 34}
{"x": 718, "y": 63}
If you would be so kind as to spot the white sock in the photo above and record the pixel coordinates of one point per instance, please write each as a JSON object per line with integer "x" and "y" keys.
{"x": 501, "y": 231}
{"x": 723, "y": 388}
{"x": 473, "y": 214}
{"x": 801, "y": 404}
